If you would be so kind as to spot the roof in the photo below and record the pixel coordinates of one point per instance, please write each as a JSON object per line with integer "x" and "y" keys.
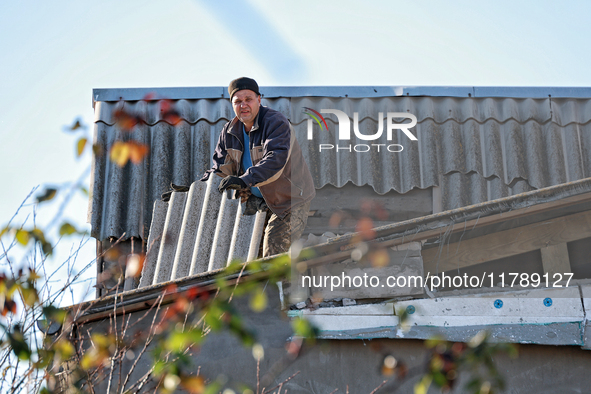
{"x": 565, "y": 324}
{"x": 474, "y": 143}
{"x": 213, "y": 92}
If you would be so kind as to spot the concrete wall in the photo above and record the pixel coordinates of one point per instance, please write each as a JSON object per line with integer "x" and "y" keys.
{"x": 336, "y": 364}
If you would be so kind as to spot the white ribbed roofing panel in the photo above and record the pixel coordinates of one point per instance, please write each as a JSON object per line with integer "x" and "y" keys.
{"x": 476, "y": 149}
{"x": 199, "y": 231}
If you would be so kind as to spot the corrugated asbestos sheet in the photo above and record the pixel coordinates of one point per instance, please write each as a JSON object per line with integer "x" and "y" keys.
{"x": 198, "y": 231}
{"x": 474, "y": 149}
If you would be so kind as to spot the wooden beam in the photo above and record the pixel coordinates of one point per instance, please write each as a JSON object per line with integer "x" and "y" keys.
{"x": 510, "y": 242}
{"x": 555, "y": 259}
{"x": 501, "y": 217}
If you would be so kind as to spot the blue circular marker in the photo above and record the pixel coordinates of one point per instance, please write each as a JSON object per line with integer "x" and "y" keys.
{"x": 498, "y": 304}
{"x": 548, "y": 301}
{"x": 410, "y": 309}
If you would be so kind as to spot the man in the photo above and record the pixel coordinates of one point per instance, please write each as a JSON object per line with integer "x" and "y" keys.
{"x": 258, "y": 155}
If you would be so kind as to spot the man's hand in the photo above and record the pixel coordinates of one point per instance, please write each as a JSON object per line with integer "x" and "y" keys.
{"x": 243, "y": 194}
{"x": 231, "y": 182}
{"x": 253, "y": 205}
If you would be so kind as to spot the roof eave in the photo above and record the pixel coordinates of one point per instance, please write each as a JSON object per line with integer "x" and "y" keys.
{"x": 216, "y": 92}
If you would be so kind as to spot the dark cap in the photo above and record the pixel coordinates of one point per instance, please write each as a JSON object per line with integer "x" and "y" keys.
{"x": 241, "y": 84}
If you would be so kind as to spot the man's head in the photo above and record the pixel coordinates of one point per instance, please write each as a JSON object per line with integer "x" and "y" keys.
{"x": 246, "y": 100}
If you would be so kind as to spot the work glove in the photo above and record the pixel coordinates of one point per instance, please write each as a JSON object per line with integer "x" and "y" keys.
{"x": 231, "y": 182}
{"x": 253, "y": 205}
{"x": 173, "y": 188}
{"x": 243, "y": 195}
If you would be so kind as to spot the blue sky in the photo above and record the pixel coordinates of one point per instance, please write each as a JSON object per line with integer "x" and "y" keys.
{"x": 55, "y": 53}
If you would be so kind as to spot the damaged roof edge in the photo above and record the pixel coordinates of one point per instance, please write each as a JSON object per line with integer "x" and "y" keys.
{"x": 139, "y": 299}
{"x": 215, "y": 92}
{"x": 145, "y": 297}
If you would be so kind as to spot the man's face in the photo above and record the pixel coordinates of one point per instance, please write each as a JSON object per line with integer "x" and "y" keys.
{"x": 246, "y": 105}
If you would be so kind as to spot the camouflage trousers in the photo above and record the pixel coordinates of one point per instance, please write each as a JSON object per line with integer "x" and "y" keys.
{"x": 280, "y": 232}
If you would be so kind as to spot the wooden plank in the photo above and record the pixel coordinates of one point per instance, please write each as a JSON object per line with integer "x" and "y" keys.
{"x": 357, "y": 310}
{"x": 555, "y": 259}
{"x": 508, "y": 243}
{"x": 517, "y": 307}
{"x": 351, "y": 322}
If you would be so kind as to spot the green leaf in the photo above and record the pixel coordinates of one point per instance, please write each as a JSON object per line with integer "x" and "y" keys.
{"x": 213, "y": 388}
{"x": 38, "y": 235}
{"x": 19, "y": 345}
{"x": 44, "y": 359}
{"x": 64, "y": 349}
{"x": 439, "y": 379}
{"x": 213, "y": 322}
{"x": 67, "y": 229}
{"x": 303, "y": 328}
{"x": 80, "y": 145}
{"x": 48, "y": 194}
{"x": 55, "y": 314}
{"x": 47, "y": 248}
{"x": 178, "y": 341}
{"x": 159, "y": 367}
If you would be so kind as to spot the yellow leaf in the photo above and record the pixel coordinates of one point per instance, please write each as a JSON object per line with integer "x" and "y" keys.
{"x": 90, "y": 359}
{"x": 34, "y": 276}
{"x": 100, "y": 340}
{"x": 67, "y": 229}
{"x": 423, "y": 385}
{"x": 22, "y": 236}
{"x": 120, "y": 153}
{"x": 80, "y": 145}
{"x": 29, "y": 296}
{"x": 258, "y": 301}
{"x": 64, "y": 349}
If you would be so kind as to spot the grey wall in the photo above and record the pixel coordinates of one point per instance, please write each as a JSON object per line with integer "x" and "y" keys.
{"x": 336, "y": 364}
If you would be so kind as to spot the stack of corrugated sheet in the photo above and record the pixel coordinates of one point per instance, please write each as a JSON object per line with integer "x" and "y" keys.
{"x": 198, "y": 231}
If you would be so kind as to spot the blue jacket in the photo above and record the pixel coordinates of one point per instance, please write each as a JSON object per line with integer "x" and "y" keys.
{"x": 279, "y": 169}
